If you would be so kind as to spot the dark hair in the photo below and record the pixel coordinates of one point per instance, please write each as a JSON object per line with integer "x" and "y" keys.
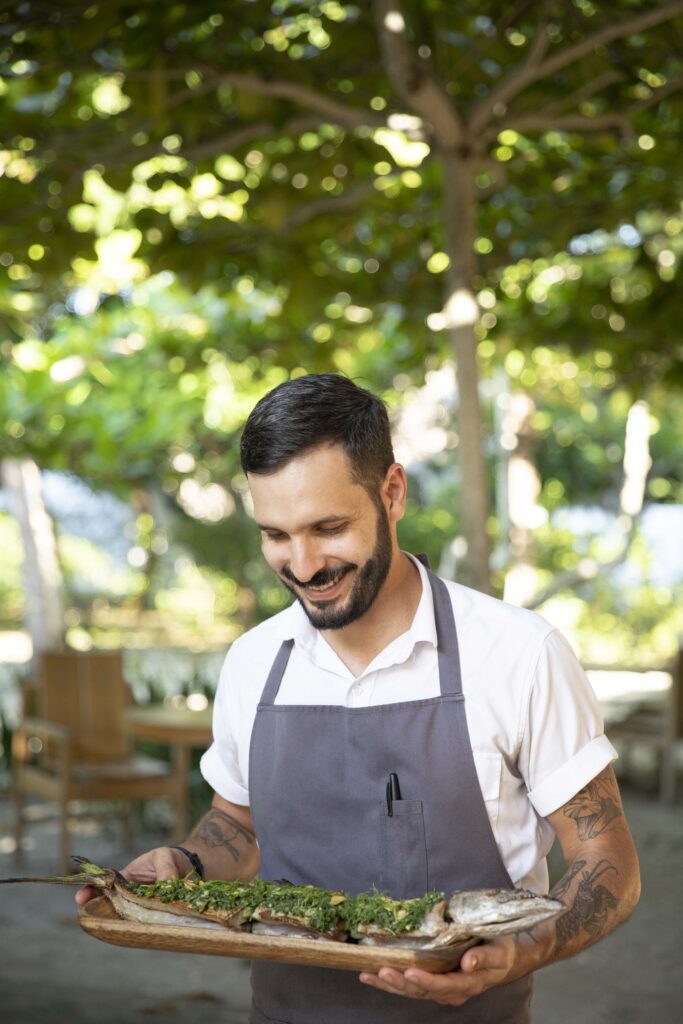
{"x": 320, "y": 408}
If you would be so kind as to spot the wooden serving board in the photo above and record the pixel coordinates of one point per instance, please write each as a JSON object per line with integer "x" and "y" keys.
{"x": 99, "y": 919}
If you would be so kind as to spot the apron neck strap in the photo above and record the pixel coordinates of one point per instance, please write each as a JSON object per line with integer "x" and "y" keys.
{"x": 277, "y": 671}
{"x": 450, "y": 676}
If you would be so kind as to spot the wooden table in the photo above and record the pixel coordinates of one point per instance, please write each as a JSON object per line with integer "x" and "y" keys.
{"x": 182, "y": 730}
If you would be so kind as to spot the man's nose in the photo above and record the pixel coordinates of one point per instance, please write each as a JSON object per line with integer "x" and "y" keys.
{"x": 305, "y": 560}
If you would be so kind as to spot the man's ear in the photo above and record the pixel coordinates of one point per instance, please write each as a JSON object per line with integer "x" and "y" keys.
{"x": 395, "y": 491}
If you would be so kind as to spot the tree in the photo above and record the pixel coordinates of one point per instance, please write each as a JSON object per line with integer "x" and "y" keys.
{"x": 283, "y": 146}
{"x": 44, "y": 613}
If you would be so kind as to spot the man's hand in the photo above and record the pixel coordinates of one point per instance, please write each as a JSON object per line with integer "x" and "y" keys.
{"x": 481, "y": 968}
{"x": 224, "y": 839}
{"x": 156, "y": 865}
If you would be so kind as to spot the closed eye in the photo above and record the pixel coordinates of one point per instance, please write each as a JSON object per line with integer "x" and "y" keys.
{"x": 330, "y": 530}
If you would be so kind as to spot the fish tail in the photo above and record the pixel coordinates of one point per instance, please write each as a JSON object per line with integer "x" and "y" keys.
{"x": 59, "y": 879}
{"x": 90, "y": 874}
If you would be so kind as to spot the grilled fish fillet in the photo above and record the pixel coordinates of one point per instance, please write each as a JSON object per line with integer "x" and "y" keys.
{"x": 282, "y": 909}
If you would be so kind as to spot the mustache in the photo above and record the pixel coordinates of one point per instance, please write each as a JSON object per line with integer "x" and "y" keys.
{"x": 323, "y": 578}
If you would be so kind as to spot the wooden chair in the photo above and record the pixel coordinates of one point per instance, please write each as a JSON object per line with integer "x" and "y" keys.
{"x": 71, "y": 745}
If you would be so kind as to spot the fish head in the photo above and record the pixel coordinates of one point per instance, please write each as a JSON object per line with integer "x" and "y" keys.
{"x": 490, "y": 912}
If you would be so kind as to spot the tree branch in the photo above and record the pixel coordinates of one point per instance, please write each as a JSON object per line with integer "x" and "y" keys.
{"x": 584, "y": 93}
{"x": 545, "y": 121}
{"x": 335, "y": 111}
{"x": 413, "y": 80}
{"x": 520, "y": 8}
{"x": 233, "y": 140}
{"x": 568, "y": 123}
{"x": 320, "y": 207}
{"x": 528, "y": 73}
{"x": 338, "y": 112}
{"x": 508, "y": 88}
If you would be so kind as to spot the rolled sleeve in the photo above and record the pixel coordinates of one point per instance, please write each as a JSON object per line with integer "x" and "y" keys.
{"x": 573, "y": 775}
{"x": 220, "y": 765}
{"x": 214, "y": 771}
{"x": 564, "y": 744}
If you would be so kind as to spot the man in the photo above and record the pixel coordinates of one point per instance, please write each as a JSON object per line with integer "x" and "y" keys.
{"x": 479, "y": 710}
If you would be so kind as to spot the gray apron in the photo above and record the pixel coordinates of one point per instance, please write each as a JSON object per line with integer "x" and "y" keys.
{"x": 318, "y": 778}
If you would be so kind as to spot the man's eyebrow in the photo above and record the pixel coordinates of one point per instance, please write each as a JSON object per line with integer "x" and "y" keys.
{"x": 325, "y": 521}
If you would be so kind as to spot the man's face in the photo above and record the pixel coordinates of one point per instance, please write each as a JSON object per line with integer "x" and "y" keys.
{"x": 324, "y": 536}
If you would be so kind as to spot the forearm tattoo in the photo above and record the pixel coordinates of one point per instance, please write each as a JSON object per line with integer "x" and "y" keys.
{"x": 560, "y": 890}
{"x": 590, "y": 903}
{"x": 593, "y": 904}
{"x": 594, "y": 808}
{"x": 218, "y": 829}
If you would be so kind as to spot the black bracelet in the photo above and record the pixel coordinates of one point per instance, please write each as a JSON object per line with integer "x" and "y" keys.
{"x": 194, "y": 860}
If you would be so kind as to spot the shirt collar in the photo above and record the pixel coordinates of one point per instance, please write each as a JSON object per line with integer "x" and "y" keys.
{"x": 293, "y": 624}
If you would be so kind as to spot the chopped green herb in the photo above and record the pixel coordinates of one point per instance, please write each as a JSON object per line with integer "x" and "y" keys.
{"x": 316, "y": 908}
{"x": 393, "y": 916}
{"x": 319, "y": 909}
{"x": 201, "y": 896}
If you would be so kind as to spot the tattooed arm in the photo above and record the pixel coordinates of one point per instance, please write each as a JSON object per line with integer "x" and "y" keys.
{"x": 599, "y": 890}
{"x": 601, "y": 886}
{"x": 224, "y": 840}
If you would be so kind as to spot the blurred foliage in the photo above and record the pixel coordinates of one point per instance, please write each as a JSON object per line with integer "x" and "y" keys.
{"x": 262, "y": 149}
{"x": 196, "y": 206}
{"x": 11, "y": 598}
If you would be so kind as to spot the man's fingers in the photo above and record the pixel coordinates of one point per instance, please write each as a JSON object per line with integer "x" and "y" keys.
{"x": 392, "y": 981}
{"x": 454, "y": 988}
{"x": 489, "y": 956}
{"x": 155, "y": 866}
{"x": 481, "y": 967}
{"x": 86, "y": 894}
{"x": 165, "y": 864}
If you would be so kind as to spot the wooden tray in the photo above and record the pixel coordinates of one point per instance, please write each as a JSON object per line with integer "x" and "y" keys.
{"x": 99, "y": 919}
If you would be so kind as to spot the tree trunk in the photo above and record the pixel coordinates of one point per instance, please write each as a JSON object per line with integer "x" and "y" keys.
{"x": 518, "y": 440}
{"x": 461, "y": 312}
{"x": 44, "y": 613}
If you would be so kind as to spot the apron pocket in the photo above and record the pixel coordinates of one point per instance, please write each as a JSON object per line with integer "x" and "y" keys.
{"x": 403, "y": 850}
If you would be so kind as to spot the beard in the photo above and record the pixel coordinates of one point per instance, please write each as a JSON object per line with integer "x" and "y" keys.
{"x": 366, "y": 586}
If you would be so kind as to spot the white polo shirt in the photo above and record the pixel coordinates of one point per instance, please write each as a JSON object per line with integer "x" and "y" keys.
{"x": 534, "y": 722}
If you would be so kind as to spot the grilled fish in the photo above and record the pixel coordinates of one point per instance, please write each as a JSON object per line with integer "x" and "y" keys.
{"x": 490, "y": 912}
{"x": 267, "y": 907}
{"x": 372, "y": 918}
{"x": 431, "y": 921}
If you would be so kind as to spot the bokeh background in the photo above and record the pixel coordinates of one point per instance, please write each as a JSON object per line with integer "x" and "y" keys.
{"x": 473, "y": 209}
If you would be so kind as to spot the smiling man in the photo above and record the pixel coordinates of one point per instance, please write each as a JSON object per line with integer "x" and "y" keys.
{"x": 476, "y": 713}
{"x": 329, "y": 539}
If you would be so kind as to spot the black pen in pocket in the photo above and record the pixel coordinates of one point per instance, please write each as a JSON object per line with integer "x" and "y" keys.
{"x": 393, "y": 792}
